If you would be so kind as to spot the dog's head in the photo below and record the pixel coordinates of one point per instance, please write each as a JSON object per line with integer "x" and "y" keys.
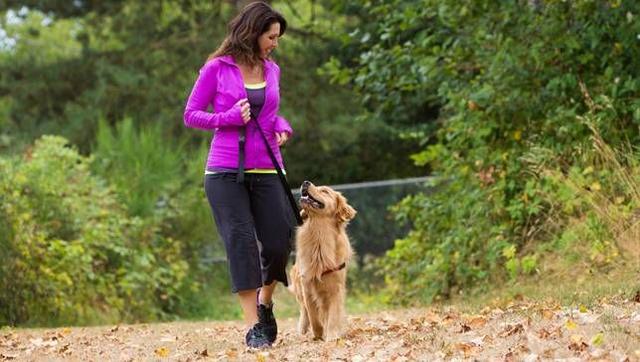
{"x": 324, "y": 201}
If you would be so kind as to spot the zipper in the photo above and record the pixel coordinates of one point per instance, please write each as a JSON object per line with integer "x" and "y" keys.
{"x": 252, "y": 145}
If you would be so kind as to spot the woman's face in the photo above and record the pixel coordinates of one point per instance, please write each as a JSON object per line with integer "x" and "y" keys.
{"x": 269, "y": 40}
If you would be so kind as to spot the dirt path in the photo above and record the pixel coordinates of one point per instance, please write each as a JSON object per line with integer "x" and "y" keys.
{"x": 520, "y": 331}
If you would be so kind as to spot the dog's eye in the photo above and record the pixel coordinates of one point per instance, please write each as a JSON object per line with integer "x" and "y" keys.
{"x": 324, "y": 191}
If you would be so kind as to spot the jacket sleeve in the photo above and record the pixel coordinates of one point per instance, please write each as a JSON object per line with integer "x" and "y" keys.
{"x": 282, "y": 125}
{"x": 202, "y": 95}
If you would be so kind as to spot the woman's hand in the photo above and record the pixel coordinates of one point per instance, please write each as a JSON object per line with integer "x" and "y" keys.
{"x": 245, "y": 111}
{"x": 282, "y": 137}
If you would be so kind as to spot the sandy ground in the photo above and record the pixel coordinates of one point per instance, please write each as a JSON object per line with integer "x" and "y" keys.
{"x": 520, "y": 331}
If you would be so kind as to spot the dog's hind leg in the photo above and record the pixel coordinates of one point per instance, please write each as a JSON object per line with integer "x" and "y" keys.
{"x": 303, "y": 321}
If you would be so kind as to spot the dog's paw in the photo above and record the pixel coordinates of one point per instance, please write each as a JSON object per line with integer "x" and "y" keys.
{"x": 303, "y": 329}
{"x": 331, "y": 337}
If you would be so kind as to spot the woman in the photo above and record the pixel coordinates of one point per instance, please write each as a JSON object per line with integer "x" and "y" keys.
{"x": 248, "y": 203}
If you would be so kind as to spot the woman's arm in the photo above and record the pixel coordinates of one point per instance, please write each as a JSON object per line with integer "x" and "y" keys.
{"x": 202, "y": 95}
{"x": 282, "y": 125}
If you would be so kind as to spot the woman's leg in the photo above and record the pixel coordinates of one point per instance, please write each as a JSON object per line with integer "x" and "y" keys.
{"x": 249, "y": 308}
{"x": 229, "y": 202}
{"x": 273, "y": 223}
{"x": 273, "y": 229}
{"x": 266, "y": 293}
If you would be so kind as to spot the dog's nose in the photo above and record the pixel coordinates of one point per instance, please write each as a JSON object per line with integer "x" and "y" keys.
{"x": 306, "y": 183}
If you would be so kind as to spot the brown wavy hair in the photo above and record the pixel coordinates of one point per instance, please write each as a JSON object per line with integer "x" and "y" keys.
{"x": 243, "y": 31}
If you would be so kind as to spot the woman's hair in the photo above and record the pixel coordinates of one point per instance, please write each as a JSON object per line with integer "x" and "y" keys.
{"x": 241, "y": 41}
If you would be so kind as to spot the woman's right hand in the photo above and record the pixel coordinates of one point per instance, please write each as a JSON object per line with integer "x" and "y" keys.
{"x": 245, "y": 111}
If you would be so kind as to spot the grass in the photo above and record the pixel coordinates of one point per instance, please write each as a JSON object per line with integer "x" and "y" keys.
{"x": 569, "y": 286}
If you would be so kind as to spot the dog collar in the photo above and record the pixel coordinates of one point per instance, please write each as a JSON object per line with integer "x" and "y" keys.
{"x": 340, "y": 267}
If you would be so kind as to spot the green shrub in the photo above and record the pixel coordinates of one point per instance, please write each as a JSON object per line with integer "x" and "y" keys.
{"x": 161, "y": 182}
{"x": 511, "y": 81}
{"x": 69, "y": 251}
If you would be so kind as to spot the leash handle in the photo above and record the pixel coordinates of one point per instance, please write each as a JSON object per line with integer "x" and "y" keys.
{"x": 283, "y": 178}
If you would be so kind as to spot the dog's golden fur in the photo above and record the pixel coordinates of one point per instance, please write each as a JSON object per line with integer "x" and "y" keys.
{"x": 322, "y": 246}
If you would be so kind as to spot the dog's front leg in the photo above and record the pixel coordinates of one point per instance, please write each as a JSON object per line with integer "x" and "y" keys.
{"x": 313, "y": 315}
{"x": 335, "y": 319}
{"x": 316, "y": 323}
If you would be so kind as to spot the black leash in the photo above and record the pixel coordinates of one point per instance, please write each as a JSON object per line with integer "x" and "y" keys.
{"x": 241, "y": 141}
{"x": 283, "y": 179}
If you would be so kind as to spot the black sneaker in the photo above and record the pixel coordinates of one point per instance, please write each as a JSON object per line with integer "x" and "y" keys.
{"x": 268, "y": 322}
{"x": 256, "y": 338}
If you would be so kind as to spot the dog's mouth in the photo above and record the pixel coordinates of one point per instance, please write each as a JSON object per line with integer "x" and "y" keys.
{"x": 307, "y": 199}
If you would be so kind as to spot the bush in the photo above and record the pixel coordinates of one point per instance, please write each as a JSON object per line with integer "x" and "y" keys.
{"x": 69, "y": 252}
{"x": 512, "y": 81}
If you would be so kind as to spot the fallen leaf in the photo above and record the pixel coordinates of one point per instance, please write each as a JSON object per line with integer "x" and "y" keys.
{"x": 478, "y": 341}
{"x": 576, "y": 338}
{"x": 548, "y": 314}
{"x": 548, "y": 353}
{"x": 64, "y": 349}
{"x": 570, "y": 325}
{"x": 231, "y": 353}
{"x": 512, "y": 329}
{"x": 477, "y": 322}
{"x": 464, "y": 328}
{"x": 487, "y": 339}
{"x": 468, "y": 348}
{"x": 162, "y": 352}
{"x": 39, "y": 342}
{"x": 509, "y": 357}
{"x": 578, "y": 347}
{"x": 636, "y": 298}
{"x": 262, "y": 356}
{"x": 598, "y": 339}
{"x": 543, "y": 333}
{"x": 583, "y": 308}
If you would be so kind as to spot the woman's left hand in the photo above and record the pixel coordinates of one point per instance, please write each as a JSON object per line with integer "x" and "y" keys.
{"x": 282, "y": 137}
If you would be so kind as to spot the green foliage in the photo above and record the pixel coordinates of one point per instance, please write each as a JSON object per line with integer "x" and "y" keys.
{"x": 113, "y": 78}
{"x": 594, "y": 201}
{"x": 141, "y": 165}
{"x": 148, "y": 175}
{"x": 511, "y": 80}
{"x": 70, "y": 253}
{"x": 130, "y": 59}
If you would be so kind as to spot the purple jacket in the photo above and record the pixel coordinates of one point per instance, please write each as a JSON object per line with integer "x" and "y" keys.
{"x": 220, "y": 85}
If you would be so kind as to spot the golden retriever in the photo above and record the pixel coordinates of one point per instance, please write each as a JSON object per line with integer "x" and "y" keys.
{"x": 319, "y": 276}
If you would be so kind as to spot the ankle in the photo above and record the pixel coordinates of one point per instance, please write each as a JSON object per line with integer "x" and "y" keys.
{"x": 264, "y": 301}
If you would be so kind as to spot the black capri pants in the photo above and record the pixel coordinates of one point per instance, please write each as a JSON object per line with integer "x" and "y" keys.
{"x": 254, "y": 222}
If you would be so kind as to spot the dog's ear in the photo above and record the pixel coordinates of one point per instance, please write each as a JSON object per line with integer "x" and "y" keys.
{"x": 344, "y": 211}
